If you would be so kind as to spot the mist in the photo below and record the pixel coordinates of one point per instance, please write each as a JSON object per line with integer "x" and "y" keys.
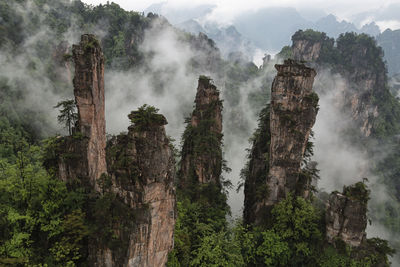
{"x": 341, "y": 162}
{"x": 169, "y": 83}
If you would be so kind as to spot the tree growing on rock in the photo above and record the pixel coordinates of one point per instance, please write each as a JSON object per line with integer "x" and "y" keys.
{"x": 68, "y": 115}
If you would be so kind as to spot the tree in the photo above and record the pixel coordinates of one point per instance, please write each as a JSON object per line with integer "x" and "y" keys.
{"x": 68, "y": 114}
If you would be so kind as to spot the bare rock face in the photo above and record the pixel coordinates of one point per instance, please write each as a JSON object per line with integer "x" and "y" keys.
{"x": 89, "y": 95}
{"x": 346, "y": 215}
{"x": 201, "y": 152}
{"x": 364, "y": 75}
{"x": 130, "y": 182}
{"x": 306, "y": 50}
{"x": 293, "y": 111}
{"x": 142, "y": 169}
{"x": 308, "y": 45}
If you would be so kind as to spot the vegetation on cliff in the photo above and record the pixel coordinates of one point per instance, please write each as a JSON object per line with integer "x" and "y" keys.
{"x": 45, "y": 221}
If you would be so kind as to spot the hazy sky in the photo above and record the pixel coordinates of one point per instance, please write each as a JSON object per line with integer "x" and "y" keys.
{"x": 227, "y": 9}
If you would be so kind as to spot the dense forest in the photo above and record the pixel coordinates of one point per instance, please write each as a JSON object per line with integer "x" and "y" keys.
{"x": 48, "y": 221}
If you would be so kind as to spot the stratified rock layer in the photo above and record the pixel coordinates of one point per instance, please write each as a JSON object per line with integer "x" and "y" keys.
{"x": 293, "y": 111}
{"x": 89, "y": 95}
{"x": 201, "y": 152}
{"x": 346, "y": 215}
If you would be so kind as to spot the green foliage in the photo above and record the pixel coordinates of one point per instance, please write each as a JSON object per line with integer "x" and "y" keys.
{"x": 201, "y": 235}
{"x": 41, "y": 221}
{"x": 297, "y": 222}
{"x": 286, "y": 52}
{"x": 292, "y": 238}
{"x": 359, "y": 191}
{"x": 68, "y": 115}
{"x": 274, "y": 250}
{"x": 309, "y": 35}
{"x": 111, "y": 220}
{"x": 200, "y": 232}
{"x": 313, "y": 98}
{"x": 217, "y": 249}
{"x": 146, "y": 117}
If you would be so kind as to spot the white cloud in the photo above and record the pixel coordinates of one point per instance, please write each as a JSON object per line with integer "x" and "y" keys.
{"x": 227, "y": 9}
{"x": 388, "y": 24}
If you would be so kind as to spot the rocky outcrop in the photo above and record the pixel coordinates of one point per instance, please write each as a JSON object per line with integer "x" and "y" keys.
{"x": 293, "y": 110}
{"x": 130, "y": 182}
{"x": 201, "y": 152}
{"x": 294, "y": 107}
{"x": 306, "y": 50}
{"x": 307, "y": 45}
{"x": 89, "y": 96}
{"x": 256, "y": 170}
{"x": 142, "y": 169}
{"x": 359, "y": 61}
{"x": 346, "y": 217}
{"x": 82, "y": 157}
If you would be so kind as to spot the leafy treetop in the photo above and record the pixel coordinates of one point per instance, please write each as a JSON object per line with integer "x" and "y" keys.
{"x": 146, "y": 117}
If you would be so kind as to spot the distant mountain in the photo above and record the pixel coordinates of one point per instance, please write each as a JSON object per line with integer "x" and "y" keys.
{"x": 388, "y": 13}
{"x": 179, "y": 15}
{"x": 371, "y": 29}
{"x": 266, "y": 28}
{"x": 268, "y": 31}
{"x": 390, "y": 42}
{"x": 228, "y": 39}
{"x": 331, "y": 26}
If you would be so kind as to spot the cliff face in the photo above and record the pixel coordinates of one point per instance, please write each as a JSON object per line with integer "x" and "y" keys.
{"x": 201, "y": 152}
{"x": 359, "y": 61}
{"x": 346, "y": 215}
{"x": 257, "y": 169}
{"x": 293, "y": 113}
{"x": 306, "y": 50}
{"x": 293, "y": 110}
{"x": 131, "y": 184}
{"x": 89, "y": 96}
{"x": 142, "y": 170}
{"x": 83, "y": 156}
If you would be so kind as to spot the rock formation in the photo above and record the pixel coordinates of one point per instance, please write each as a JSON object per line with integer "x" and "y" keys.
{"x": 131, "y": 184}
{"x": 293, "y": 110}
{"x": 256, "y": 171}
{"x": 346, "y": 217}
{"x": 89, "y": 96}
{"x": 201, "y": 152}
{"x": 293, "y": 113}
{"x": 358, "y": 61}
{"x": 142, "y": 169}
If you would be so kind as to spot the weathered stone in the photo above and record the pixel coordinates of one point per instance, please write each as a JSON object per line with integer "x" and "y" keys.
{"x": 361, "y": 82}
{"x": 144, "y": 182}
{"x": 257, "y": 169}
{"x": 293, "y": 113}
{"x": 89, "y": 95}
{"x": 306, "y": 50}
{"x": 139, "y": 174}
{"x": 346, "y": 217}
{"x": 293, "y": 110}
{"x": 197, "y": 159}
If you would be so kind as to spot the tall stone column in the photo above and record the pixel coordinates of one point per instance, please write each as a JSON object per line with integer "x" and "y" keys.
{"x": 89, "y": 95}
